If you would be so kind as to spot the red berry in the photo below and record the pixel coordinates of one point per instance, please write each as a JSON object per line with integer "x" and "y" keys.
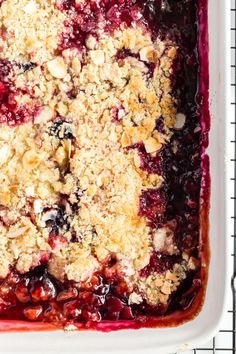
{"x": 4, "y": 305}
{"x": 3, "y": 89}
{"x": 68, "y": 294}
{"x": 33, "y": 313}
{"x": 43, "y": 290}
{"x": 57, "y": 242}
{"x": 71, "y": 309}
{"x": 114, "y": 304}
{"x": 126, "y": 313}
{"x": 152, "y": 203}
{"x": 94, "y": 282}
{"x": 121, "y": 288}
{"x": 86, "y": 296}
{"x": 53, "y": 313}
{"x": 22, "y": 292}
{"x": 91, "y": 316}
{"x": 113, "y": 316}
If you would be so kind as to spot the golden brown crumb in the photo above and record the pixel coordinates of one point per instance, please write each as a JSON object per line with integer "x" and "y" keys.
{"x": 31, "y": 30}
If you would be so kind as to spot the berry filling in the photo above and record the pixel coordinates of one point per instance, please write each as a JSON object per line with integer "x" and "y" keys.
{"x": 101, "y": 149}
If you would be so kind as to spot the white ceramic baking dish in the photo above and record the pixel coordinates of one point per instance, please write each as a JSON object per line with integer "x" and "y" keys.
{"x": 206, "y": 324}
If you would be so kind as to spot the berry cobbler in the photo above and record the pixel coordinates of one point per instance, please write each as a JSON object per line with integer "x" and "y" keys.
{"x": 100, "y": 162}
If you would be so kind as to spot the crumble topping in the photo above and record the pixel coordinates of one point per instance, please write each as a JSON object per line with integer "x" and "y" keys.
{"x": 163, "y": 241}
{"x": 158, "y": 288}
{"x": 74, "y": 167}
{"x": 30, "y": 30}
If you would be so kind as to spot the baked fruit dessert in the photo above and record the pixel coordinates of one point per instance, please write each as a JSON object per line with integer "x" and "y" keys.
{"x": 100, "y": 162}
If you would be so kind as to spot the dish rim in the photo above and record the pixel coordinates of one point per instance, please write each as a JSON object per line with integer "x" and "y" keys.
{"x": 218, "y": 105}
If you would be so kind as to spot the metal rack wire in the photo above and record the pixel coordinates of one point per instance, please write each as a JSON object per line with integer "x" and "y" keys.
{"x": 225, "y": 340}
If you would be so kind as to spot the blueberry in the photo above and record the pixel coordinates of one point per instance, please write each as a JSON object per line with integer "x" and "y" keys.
{"x": 75, "y": 206}
{"x": 61, "y": 129}
{"x": 59, "y": 221}
{"x": 160, "y": 127}
{"x": 74, "y": 237}
{"x": 26, "y": 66}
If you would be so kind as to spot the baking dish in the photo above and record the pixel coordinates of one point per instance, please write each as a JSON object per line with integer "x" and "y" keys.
{"x": 204, "y": 326}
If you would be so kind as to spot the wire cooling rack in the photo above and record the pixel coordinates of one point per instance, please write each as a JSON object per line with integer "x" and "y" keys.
{"x": 225, "y": 340}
